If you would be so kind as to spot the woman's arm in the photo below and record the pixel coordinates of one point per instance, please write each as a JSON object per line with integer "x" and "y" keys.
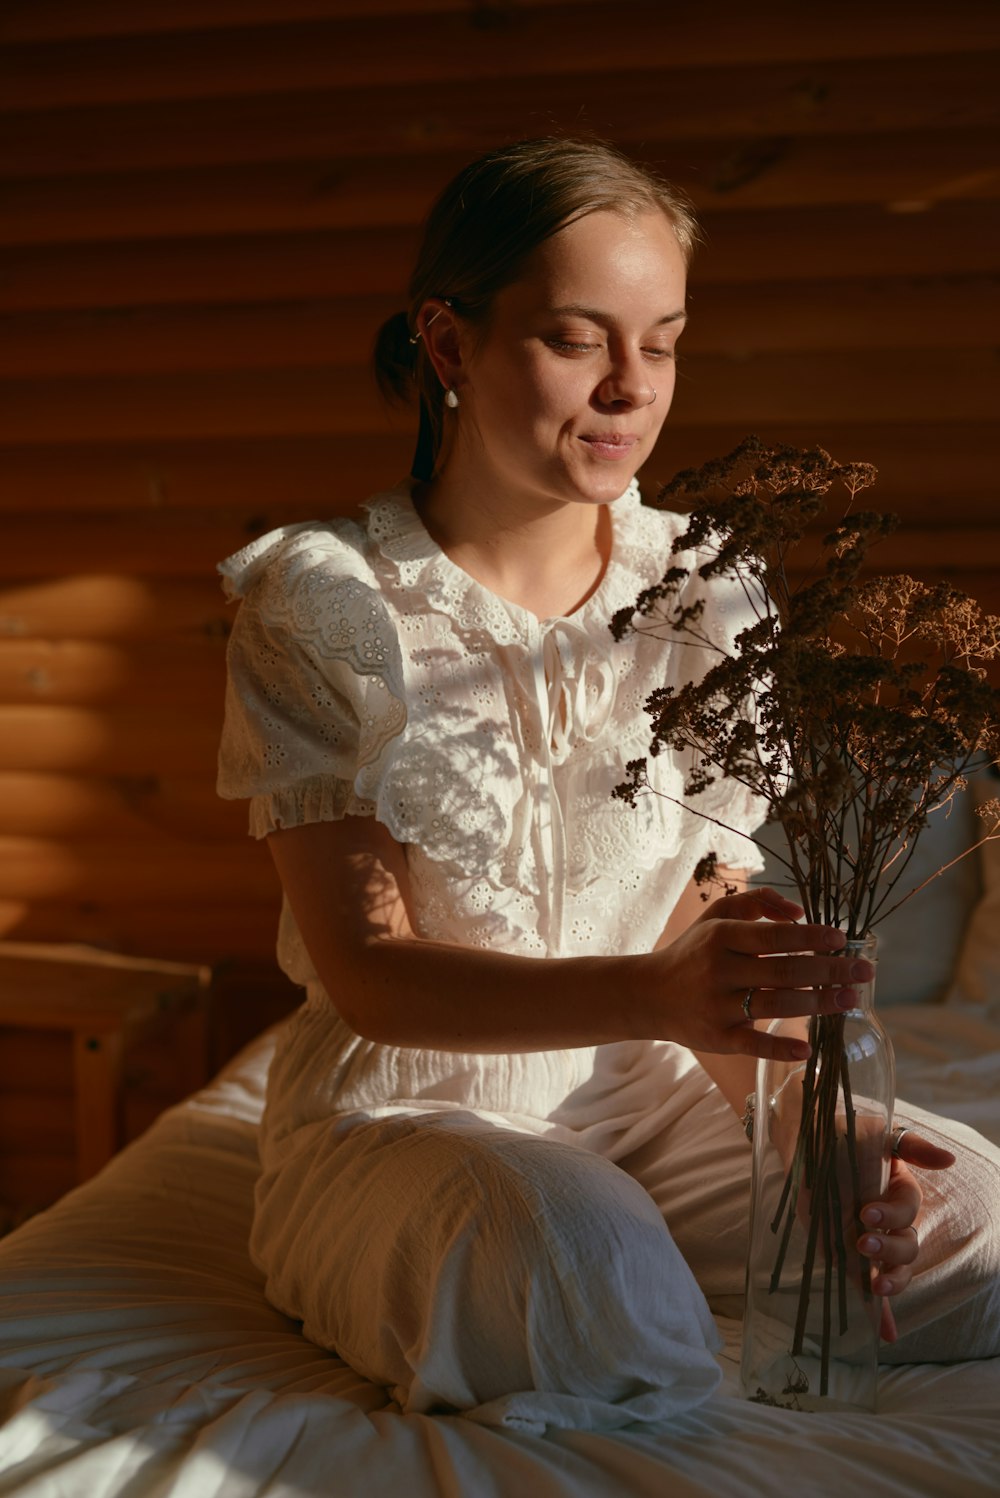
{"x": 347, "y": 886}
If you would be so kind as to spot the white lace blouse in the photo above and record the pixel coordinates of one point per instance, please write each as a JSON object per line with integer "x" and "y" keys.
{"x": 370, "y": 675}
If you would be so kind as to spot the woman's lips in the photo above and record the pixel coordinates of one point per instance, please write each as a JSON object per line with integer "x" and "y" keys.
{"x": 617, "y": 445}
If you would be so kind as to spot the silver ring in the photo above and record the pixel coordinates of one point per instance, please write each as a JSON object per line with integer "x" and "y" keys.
{"x": 895, "y": 1139}
{"x": 650, "y": 402}
{"x": 747, "y": 1000}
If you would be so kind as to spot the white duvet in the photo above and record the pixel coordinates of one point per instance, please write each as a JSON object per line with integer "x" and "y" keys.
{"x": 139, "y": 1359}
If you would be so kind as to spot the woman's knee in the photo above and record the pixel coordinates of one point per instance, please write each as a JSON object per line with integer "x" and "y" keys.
{"x": 457, "y": 1262}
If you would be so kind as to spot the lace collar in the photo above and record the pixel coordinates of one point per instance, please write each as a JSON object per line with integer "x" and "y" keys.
{"x": 640, "y": 548}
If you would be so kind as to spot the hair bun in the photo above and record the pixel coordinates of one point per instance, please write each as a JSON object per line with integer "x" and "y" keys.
{"x": 395, "y": 357}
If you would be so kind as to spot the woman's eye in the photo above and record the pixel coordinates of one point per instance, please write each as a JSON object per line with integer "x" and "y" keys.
{"x": 566, "y": 345}
{"x": 658, "y": 353}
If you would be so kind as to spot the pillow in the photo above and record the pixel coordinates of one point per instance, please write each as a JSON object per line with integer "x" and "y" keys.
{"x": 920, "y": 943}
{"x": 977, "y": 975}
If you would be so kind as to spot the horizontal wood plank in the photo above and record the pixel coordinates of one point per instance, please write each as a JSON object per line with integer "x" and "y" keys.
{"x": 299, "y": 478}
{"x": 886, "y": 313}
{"x": 927, "y": 469}
{"x": 287, "y": 268}
{"x": 754, "y": 247}
{"x": 49, "y": 870}
{"x": 97, "y": 607}
{"x": 89, "y": 673}
{"x": 168, "y": 544}
{"x": 877, "y": 386}
{"x": 720, "y": 176}
{"x": 70, "y": 807}
{"x": 654, "y": 112}
{"x": 232, "y": 404}
{"x": 161, "y": 339}
{"x": 53, "y": 20}
{"x": 785, "y": 28}
{"x": 108, "y": 741}
{"x": 188, "y": 932}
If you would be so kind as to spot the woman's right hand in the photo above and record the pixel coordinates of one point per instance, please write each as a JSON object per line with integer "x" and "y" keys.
{"x": 749, "y": 942}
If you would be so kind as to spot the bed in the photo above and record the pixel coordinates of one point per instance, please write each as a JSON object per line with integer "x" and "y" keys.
{"x": 139, "y": 1358}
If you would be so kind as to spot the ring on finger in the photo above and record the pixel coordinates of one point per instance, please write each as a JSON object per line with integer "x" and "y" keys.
{"x": 896, "y": 1139}
{"x": 747, "y": 1000}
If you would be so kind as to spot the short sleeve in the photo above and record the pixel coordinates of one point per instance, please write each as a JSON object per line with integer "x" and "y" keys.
{"x": 314, "y": 696}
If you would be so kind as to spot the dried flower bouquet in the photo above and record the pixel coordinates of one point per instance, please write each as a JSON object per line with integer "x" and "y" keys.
{"x": 853, "y": 706}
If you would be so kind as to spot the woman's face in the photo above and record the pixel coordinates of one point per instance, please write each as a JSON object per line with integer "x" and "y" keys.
{"x": 557, "y": 395}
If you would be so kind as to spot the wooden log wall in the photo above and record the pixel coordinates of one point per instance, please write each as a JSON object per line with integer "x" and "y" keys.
{"x": 206, "y": 207}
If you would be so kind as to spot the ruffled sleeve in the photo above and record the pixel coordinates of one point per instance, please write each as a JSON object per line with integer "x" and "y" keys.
{"x": 315, "y": 692}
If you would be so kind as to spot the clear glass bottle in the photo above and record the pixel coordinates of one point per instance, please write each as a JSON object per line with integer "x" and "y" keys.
{"x": 821, "y": 1141}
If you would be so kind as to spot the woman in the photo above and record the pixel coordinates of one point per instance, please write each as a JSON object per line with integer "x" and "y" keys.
{"x": 502, "y": 1158}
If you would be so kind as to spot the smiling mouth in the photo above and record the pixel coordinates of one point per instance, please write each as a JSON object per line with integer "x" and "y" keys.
{"x": 615, "y": 444}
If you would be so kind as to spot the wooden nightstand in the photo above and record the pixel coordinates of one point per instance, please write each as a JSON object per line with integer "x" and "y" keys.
{"x": 92, "y": 1046}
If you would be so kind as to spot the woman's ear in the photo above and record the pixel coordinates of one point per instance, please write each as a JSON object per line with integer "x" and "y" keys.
{"x": 439, "y": 327}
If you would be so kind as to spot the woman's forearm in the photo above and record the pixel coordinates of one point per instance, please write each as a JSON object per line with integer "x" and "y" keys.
{"x": 348, "y": 889}
{"x": 412, "y": 992}
{"x": 348, "y": 886}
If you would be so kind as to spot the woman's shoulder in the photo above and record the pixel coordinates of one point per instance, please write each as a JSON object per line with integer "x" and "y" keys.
{"x": 316, "y": 553}
{"x": 311, "y": 596}
{"x": 331, "y": 551}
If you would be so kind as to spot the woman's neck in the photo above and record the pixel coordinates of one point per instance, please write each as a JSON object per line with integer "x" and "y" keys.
{"x": 548, "y": 560}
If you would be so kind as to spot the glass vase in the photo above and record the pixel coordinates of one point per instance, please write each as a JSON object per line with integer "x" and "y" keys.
{"x": 821, "y": 1142}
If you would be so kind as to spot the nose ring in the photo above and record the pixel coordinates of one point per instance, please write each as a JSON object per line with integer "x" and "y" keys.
{"x": 650, "y": 402}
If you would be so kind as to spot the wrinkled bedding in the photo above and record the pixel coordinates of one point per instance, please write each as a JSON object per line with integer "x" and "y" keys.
{"x": 139, "y": 1359}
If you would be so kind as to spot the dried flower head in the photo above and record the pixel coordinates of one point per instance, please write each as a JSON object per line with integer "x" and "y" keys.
{"x": 852, "y": 705}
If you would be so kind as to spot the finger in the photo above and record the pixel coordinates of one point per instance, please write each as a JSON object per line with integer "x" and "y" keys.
{"x": 900, "y": 1205}
{"x": 894, "y": 1252}
{"x": 798, "y": 980}
{"x": 892, "y": 1282}
{"x": 795, "y": 1003}
{"x": 747, "y": 1041}
{"x": 755, "y": 939}
{"x": 916, "y": 1150}
{"x": 887, "y": 1324}
{"x": 753, "y": 905}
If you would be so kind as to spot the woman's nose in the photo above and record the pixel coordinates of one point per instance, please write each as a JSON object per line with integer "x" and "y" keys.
{"x": 626, "y": 382}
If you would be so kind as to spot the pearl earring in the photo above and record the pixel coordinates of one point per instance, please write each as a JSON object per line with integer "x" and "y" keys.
{"x": 451, "y": 400}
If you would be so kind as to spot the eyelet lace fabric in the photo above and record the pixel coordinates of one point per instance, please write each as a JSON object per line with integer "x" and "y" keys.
{"x": 370, "y": 675}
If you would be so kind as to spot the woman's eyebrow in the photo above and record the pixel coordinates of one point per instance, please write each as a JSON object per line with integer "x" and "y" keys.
{"x": 594, "y": 314}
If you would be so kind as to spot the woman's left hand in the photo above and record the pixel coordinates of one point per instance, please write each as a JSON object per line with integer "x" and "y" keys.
{"x": 891, "y": 1239}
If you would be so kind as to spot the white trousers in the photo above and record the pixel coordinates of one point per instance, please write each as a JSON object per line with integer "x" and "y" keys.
{"x": 562, "y": 1270}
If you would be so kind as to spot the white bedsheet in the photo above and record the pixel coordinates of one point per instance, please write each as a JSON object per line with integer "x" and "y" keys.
{"x": 139, "y": 1359}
